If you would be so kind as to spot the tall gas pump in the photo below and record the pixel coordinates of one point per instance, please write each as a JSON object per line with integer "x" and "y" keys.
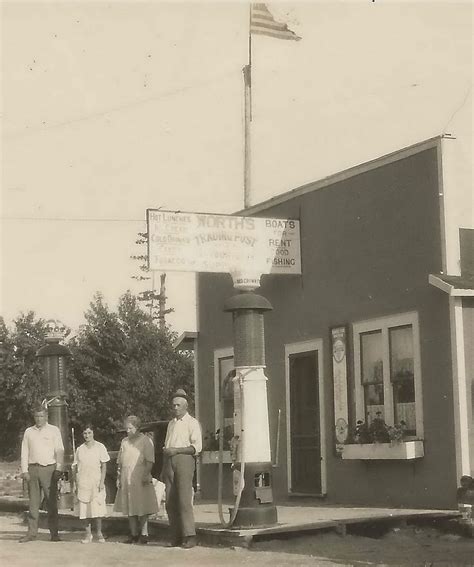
{"x": 253, "y": 456}
{"x": 54, "y": 390}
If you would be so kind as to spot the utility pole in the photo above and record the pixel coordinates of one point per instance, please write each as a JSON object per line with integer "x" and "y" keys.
{"x": 162, "y": 302}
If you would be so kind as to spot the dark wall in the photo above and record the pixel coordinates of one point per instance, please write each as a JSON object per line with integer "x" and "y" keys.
{"x": 368, "y": 246}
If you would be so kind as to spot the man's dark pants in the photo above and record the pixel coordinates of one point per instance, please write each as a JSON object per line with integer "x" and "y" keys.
{"x": 42, "y": 478}
{"x": 178, "y": 473}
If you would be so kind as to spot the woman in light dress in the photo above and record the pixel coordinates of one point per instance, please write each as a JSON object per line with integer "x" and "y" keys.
{"x": 136, "y": 495}
{"x": 89, "y": 471}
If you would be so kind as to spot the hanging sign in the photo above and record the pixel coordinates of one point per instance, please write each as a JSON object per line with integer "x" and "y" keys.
{"x": 339, "y": 366}
{"x": 198, "y": 242}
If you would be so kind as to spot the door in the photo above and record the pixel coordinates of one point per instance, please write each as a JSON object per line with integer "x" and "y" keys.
{"x": 305, "y": 423}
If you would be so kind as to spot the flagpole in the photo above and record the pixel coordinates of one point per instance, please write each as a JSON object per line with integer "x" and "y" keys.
{"x": 247, "y": 70}
{"x": 250, "y": 62}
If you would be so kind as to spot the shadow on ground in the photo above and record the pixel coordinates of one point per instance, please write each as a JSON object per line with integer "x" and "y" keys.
{"x": 380, "y": 545}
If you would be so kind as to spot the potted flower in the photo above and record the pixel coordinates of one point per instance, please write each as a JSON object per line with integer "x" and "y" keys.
{"x": 378, "y": 429}
{"x": 382, "y": 441}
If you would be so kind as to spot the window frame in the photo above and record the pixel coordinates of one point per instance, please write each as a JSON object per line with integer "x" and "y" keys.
{"x": 384, "y": 324}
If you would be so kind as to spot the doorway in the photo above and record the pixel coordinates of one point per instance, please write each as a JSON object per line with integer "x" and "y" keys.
{"x": 305, "y": 419}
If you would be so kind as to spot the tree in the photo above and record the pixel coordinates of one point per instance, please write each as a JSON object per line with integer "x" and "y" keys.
{"x": 20, "y": 378}
{"x": 155, "y": 302}
{"x": 123, "y": 364}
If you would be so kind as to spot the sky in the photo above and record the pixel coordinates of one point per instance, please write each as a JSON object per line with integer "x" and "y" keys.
{"x": 110, "y": 108}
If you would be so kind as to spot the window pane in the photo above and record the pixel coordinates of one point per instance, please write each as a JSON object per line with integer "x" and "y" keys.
{"x": 401, "y": 353}
{"x": 228, "y": 410}
{"x": 372, "y": 374}
{"x": 371, "y": 357}
{"x": 226, "y": 365}
{"x": 373, "y": 395}
{"x": 402, "y": 376}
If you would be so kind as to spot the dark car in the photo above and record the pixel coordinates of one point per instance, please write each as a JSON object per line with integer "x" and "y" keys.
{"x": 156, "y": 430}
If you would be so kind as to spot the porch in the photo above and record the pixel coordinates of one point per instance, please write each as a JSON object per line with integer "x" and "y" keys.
{"x": 294, "y": 519}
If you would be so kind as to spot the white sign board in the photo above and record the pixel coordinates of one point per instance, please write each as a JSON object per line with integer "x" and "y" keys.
{"x": 197, "y": 242}
{"x": 339, "y": 368}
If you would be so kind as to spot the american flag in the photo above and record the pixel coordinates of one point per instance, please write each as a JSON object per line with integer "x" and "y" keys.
{"x": 263, "y": 23}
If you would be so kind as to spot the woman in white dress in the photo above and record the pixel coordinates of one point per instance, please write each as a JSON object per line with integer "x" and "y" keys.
{"x": 89, "y": 471}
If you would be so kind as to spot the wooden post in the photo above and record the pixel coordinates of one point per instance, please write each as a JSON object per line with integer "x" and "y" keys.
{"x": 162, "y": 302}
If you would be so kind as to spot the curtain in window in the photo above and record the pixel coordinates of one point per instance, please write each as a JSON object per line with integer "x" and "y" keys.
{"x": 402, "y": 376}
{"x": 372, "y": 374}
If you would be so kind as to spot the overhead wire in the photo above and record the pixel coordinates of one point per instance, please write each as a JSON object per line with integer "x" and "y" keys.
{"x": 95, "y": 115}
{"x": 70, "y": 219}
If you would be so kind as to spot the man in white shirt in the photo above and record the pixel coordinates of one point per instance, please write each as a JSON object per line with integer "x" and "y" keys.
{"x": 182, "y": 444}
{"x": 42, "y": 454}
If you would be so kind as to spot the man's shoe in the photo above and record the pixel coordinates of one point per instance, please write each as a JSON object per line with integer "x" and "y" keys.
{"x": 143, "y": 539}
{"x": 55, "y": 537}
{"x": 26, "y": 539}
{"x": 132, "y": 539}
{"x": 174, "y": 543}
{"x": 189, "y": 542}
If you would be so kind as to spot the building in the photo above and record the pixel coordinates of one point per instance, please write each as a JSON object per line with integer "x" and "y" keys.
{"x": 380, "y": 325}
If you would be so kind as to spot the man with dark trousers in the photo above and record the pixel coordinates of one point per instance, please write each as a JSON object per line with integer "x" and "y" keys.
{"x": 42, "y": 454}
{"x": 182, "y": 444}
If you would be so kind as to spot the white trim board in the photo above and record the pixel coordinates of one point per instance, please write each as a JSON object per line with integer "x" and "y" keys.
{"x": 450, "y": 289}
{"x": 461, "y": 423}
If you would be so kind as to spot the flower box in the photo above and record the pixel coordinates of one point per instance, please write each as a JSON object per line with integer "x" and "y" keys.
{"x": 402, "y": 451}
{"x": 212, "y": 457}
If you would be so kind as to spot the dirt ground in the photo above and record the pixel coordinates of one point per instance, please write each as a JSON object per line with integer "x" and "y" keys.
{"x": 405, "y": 546}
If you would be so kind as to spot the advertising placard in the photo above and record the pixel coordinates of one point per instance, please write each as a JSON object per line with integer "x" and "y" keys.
{"x": 199, "y": 242}
{"x": 339, "y": 369}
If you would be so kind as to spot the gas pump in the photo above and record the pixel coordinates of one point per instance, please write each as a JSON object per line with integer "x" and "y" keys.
{"x": 246, "y": 247}
{"x": 252, "y": 467}
{"x": 54, "y": 388}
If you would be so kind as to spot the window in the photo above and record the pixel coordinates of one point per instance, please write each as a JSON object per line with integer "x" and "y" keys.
{"x": 387, "y": 372}
{"x": 224, "y": 389}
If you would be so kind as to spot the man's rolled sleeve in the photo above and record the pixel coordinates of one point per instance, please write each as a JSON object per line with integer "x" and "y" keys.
{"x": 59, "y": 450}
{"x": 24, "y": 453}
{"x": 196, "y": 437}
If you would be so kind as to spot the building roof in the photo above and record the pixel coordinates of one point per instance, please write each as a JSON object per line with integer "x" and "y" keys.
{"x": 343, "y": 175}
{"x": 186, "y": 341}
